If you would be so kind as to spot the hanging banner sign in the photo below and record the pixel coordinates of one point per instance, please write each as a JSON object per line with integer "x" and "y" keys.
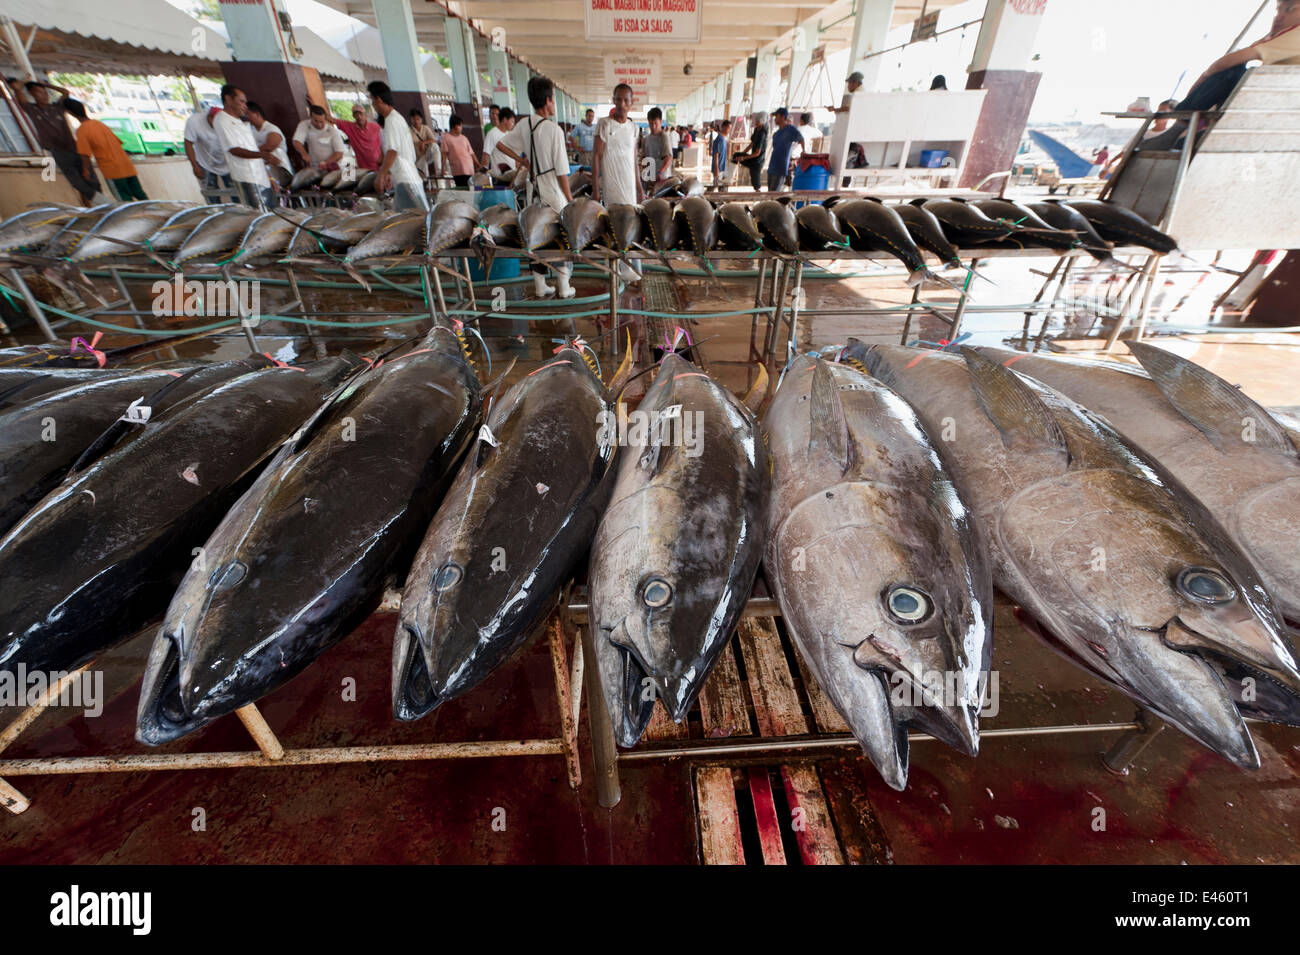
{"x": 638, "y": 70}
{"x": 642, "y": 21}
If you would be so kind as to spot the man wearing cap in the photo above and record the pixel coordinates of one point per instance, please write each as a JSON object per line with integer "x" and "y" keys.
{"x": 52, "y": 133}
{"x": 853, "y": 85}
{"x": 364, "y": 136}
{"x": 752, "y": 157}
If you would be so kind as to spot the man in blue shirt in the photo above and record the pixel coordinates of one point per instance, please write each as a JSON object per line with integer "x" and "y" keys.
{"x": 583, "y": 136}
{"x": 719, "y": 152}
{"x": 783, "y": 141}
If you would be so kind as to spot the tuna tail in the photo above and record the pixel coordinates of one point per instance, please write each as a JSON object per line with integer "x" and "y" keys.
{"x": 922, "y": 275}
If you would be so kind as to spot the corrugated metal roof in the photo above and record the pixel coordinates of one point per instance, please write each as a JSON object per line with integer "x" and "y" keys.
{"x": 147, "y": 24}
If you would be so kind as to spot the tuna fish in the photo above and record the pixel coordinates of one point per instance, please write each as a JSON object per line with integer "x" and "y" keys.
{"x": 1030, "y": 229}
{"x": 698, "y": 224}
{"x": 927, "y": 232}
{"x": 301, "y": 559}
{"x": 100, "y": 556}
{"x": 1129, "y": 577}
{"x": 737, "y": 229}
{"x": 539, "y": 227}
{"x": 217, "y": 236}
{"x": 269, "y": 235}
{"x": 1123, "y": 226}
{"x": 479, "y": 587}
{"x": 775, "y": 220}
{"x": 1060, "y": 216}
{"x": 1223, "y": 447}
{"x": 963, "y": 223}
{"x": 41, "y": 439}
{"x": 626, "y": 227}
{"x": 305, "y": 179}
{"x": 125, "y": 230}
{"x": 676, "y": 553}
{"x": 661, "y": 224}
{"x": 874, "y": 225}
{"x": 883, "y": 582}
{"x": 818, "y": 229}
{"x": 583, "y": 222}
{"x": 32, "y": 230}
{"x": 450, "y": 226}
{"x": 169, "y": 236}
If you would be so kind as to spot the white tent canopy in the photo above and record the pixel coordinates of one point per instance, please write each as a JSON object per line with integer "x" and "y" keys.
{"x": 326, "y": 60}
{"x": 112, "y": 30}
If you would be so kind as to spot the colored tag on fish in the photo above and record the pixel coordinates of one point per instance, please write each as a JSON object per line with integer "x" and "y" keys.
{"x": 672, "y": 411}
{"x": 136, "y": 413}
{"x": 542, "y": 488}
{"x": 485, "y": 434}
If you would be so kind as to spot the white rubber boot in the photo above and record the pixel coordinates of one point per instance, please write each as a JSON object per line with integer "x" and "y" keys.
{"x": 540, "y": 287}
{"x": 562, "y": 282}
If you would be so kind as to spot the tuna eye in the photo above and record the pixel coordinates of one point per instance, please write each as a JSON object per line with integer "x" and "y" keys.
{"x": 907, "y": 605}
{"x": 230, "y": 576}
{"x": 1205, "y": 586}
{"x": 656, "y": 593}
{"x": 448, "y": 576}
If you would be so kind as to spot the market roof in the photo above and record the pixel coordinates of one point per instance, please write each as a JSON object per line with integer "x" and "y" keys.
{"x": 326, "y": 60}
{"x": 121, "y": 36}
{"x": 550, "y": 36}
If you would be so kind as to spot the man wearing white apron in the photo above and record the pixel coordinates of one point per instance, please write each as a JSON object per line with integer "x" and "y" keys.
{"x": 537, "y": 144}
{"x": 614, "y": 179}
{"x": 397, "y": 164}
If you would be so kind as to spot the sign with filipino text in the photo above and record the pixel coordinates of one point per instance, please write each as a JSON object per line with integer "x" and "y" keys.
{"x": 643, "y": 21}
{"x": 640, "y": 71}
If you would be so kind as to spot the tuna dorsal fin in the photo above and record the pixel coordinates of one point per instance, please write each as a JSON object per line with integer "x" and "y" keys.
{"x": 1218, "y": 409}
{"x": 1019, "y": 414}
{"x": 828, "y": 432}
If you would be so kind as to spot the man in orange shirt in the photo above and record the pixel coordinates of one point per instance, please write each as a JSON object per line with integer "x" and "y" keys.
{"x": 96, "y": 139}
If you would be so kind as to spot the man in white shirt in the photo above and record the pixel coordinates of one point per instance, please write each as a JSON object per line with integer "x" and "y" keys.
{"x": 538, "y": 145}
{"x": 207, "y": 159}
{"x": 247, "y": 162}
{"x": 493, "y": 157}
{"x": 614, "y": 180}
{"x": 268, "y": 137}
{"x": 397, "y": 162}
{"x": 675, "y": 143}
{"x": 318, "y": 143}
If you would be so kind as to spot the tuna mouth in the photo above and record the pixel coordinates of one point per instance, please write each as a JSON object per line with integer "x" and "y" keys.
{"x": 161, "y": 716}
{"x": 413, "y": 692}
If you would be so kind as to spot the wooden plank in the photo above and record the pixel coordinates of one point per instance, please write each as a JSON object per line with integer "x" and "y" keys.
{"x": 722, "y": 701}
{"x": 810, "y": 817}
{"x": 862, "y": 837}
{"x": 825, "y": 715}
{"x": 662, "y": 725}
{"x": 715, "y": 795}
{"x": 769, "y": 826}
{"x": 776, "y": 704}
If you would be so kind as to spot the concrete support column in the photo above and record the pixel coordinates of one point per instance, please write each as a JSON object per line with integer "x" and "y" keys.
{"x": 870, "y": 33}
{"x": 737, "y": 89}
{"x": 801, "y": 50}
{"x": 402, "y": 55}
{"x": 464, "y": 77}
{"x": 498, "y": 63}
{"x": 766, "y": 79}
{"x": 521, "y": 75}
{"x": 255, "y": 32}
{"x": 1003, "y": 53}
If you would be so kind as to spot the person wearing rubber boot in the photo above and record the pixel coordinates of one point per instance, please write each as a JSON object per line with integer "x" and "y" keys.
{"x": 614, "y": 179}
{"x": 537, "y": 145}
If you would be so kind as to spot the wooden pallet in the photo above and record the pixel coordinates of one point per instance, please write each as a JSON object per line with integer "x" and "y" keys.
{"x": 754, "y": 691}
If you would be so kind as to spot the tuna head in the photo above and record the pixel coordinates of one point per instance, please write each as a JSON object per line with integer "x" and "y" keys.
{"x": 881, "y": 579}
{"x": 884, "y": 603}
{"x": 1138, "y": 582}
{"x": 677, "y": 550}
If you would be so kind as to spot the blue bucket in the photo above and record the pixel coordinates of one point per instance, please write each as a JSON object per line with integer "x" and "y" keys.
{"x": 503, "y": 267}
{"x": 814, "y": 178}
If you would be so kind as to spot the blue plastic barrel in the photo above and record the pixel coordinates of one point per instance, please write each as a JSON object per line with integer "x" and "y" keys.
{"x": 503, "y": 267}
{"x": 814, "y": 178}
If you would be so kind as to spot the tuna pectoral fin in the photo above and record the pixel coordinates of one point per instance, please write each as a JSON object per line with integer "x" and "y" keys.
{"x": 1218, "y": 409}
{"x": 828, "y": 433}
{"x": 356, "y": 275}
{"x": 413, "y": 693}
{"x": 159, "y": 401}
{"x": 1019, "y": 414}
